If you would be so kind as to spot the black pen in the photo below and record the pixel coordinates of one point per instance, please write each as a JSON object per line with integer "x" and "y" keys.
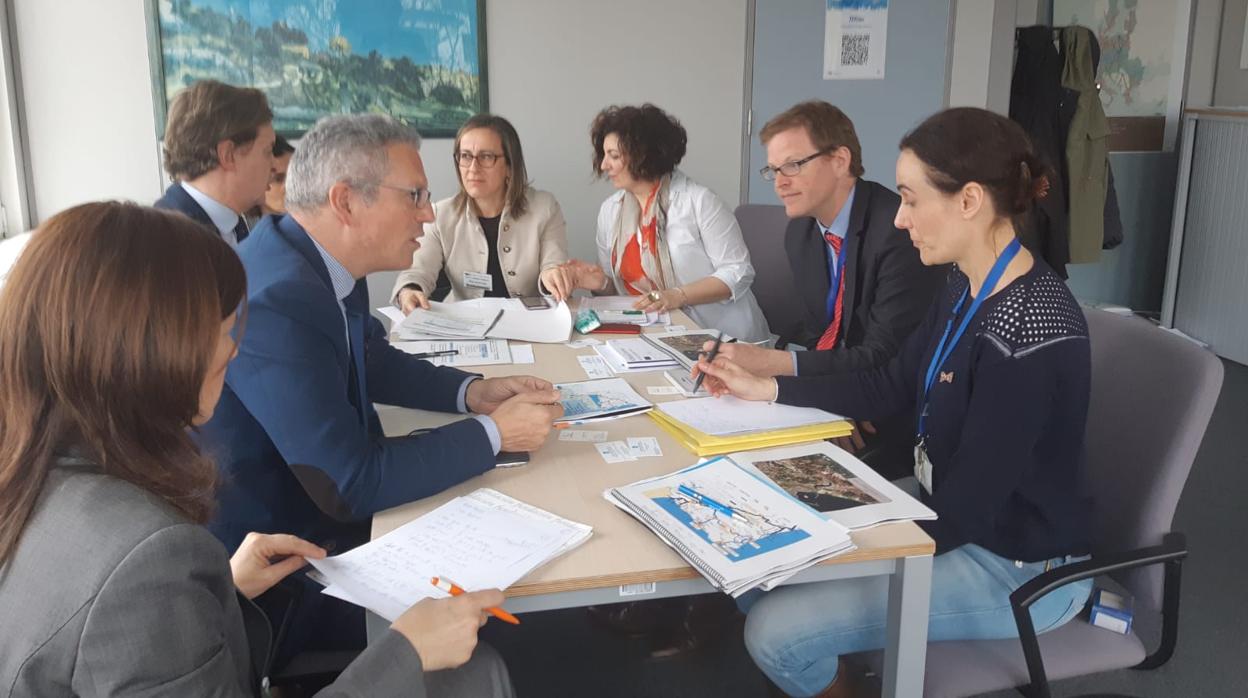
{"x": 709, "y": 359}
{"x": 434, "y": 354}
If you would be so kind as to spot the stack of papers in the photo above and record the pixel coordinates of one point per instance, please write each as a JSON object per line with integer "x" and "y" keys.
{"x": 597, "y": 400}
{"x": 711, "y": 426}
{"x": 509, "y": 320}
{"x": 679, "y": 377}
{"x": 834, "y": 483}
{"x": 544, "y": 325}
{"x": 636, "y": 353}
{"x": 448, "y": 320}
{"x": 485, "y": 540}
{"x": 619, "y": 310}
{"x": 683, "y": 345}
{"x": 484, "y": 353}
{"x": 737, "y": 528}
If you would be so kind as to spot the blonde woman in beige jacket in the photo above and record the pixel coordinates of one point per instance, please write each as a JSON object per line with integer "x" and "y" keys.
{"x": 498, "y": 237}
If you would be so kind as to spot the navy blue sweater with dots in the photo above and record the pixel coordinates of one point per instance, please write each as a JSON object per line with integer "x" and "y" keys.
{"x": 1006, "y": 416}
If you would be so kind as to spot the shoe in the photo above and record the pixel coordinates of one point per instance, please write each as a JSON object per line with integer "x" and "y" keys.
{"x": 634, "y": 619}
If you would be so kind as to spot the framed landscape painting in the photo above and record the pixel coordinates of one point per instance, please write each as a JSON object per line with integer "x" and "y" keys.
{"x": 420, "y": 61}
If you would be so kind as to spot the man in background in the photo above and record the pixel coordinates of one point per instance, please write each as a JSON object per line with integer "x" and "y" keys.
{"x": 218, "y": 149}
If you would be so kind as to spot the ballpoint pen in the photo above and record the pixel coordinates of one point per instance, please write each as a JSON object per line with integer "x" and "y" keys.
{"x": 707, "y": 501}
{"x": 710, "y": 358}
{"x": 454, "y": 590}
{"x": 433, "y": 354}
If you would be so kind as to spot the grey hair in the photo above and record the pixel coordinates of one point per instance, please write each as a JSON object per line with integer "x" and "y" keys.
{"x": 347, "y": 148}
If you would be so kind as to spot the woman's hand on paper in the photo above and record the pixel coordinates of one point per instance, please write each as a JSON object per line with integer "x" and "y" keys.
{"x": 660, "y": 301}
{"x": 264, "y": 559}
{"x": 444, "y": 631}
{"x": 755, "y": 359}
{"x": 560, "y": 281}
{"x": 411, "y": 298}
{"x": 723, "y": 377}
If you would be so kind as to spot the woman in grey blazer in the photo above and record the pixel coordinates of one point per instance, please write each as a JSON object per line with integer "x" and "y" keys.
{"x": 108, "y": 584}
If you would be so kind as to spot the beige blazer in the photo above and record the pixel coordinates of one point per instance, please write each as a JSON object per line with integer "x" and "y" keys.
{"x": 527, "y": 246}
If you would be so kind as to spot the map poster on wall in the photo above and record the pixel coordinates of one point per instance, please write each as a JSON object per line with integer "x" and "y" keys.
{"x": 1139, "y": 69}
{"x": 854, "y": 40}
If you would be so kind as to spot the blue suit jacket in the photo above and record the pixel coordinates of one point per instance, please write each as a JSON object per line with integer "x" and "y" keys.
{"x": 295, "y": 434}
{"x": 176, "y": 199}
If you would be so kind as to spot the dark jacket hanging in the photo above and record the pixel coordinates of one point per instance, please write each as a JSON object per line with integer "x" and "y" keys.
{"x": 1044, "y": 108}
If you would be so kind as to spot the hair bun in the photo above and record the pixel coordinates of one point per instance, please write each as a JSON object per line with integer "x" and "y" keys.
{"x": 1033, "y": 183}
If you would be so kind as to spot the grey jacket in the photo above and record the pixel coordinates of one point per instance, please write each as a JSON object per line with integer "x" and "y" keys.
{"x": 112, "y": 592}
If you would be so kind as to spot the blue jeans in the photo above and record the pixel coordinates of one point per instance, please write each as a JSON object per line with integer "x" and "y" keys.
{"x": 797, "y": 633}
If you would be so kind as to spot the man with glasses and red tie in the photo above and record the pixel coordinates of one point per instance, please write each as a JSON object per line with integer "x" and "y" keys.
{"x": 861, "y": 285}
{"x": 298, "y": 442}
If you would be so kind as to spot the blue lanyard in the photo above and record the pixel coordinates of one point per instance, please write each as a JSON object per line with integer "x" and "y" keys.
{"x": 942, "y": 351}
{"x": 835, "y": 290}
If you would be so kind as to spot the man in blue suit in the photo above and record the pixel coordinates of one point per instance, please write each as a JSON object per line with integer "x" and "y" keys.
{"x": 299, "y": 444}
{"x": 219, "y": 152}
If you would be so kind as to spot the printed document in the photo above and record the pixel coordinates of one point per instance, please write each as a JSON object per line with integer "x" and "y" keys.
{"x": 484, "y": 540}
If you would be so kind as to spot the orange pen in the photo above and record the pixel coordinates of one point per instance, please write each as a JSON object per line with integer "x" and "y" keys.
{"x": 454, "y": 590}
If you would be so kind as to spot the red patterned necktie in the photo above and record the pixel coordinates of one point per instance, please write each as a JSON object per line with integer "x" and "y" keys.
{"x": 828, "y": 340}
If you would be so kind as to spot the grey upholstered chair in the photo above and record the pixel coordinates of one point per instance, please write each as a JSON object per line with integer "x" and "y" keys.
{"x": 763, "y": 228}
{"x": 1152, "y": 395}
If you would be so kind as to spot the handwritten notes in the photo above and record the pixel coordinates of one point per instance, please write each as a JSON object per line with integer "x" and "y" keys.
{"x": 482, "y": 540}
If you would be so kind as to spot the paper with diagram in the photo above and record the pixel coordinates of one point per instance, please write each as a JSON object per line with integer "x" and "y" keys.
{"x": 737, "y": 528}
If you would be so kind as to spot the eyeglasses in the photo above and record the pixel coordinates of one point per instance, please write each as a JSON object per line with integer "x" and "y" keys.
{"x": 486, "y": 160}
{"x": 419, "y": 197}
{"x": 791, "y": 168}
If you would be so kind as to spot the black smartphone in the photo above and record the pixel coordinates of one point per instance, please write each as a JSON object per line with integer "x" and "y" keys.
{"x": 506, "y": 459}
{"x": 534, "y": 303}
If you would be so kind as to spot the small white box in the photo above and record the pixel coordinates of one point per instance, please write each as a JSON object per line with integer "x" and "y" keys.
{"x": 1111, "y": 611}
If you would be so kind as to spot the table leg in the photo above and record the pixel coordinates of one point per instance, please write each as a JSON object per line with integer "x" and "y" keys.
{"x": 909, "y": 598}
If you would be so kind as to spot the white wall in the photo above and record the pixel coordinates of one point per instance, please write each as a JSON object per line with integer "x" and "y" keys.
{"x": 87, "y": 95}
{"x": 981, "y": 60}
{"x": 1231, "y": 89}
{"x": 552, "y": 66}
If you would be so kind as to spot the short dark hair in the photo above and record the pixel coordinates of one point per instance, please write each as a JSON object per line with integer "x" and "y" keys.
{"x": 121, "y": 389}
{"x": 653, "y": 140}
{"x": 281, "y": 146}
{"x": 513, "y": 154}
{"x": 205, "y": 114}
{"x": 967, "y": 144}
{"x": 828, "y": 127}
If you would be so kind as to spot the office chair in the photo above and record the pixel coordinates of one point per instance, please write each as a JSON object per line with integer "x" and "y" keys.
{"x": 1152, "y": 395}
{"x": 763, "y": 229}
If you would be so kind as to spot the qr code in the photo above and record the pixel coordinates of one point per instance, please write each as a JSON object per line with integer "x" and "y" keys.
{"x": 855, "y": 49}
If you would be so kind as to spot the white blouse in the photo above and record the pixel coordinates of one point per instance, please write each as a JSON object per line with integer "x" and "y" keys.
{"x": 703, "y": 239}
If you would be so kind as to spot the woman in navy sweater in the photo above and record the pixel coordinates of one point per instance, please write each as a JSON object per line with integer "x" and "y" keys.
{"x": 998, "y": 373}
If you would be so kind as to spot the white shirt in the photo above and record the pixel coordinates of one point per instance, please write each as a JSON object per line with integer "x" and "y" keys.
{"x": 224, "y": 217}
{"x": 703, "y": 239}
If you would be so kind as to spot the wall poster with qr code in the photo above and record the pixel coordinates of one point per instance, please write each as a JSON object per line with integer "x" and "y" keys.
{"x": 854, "y": 40}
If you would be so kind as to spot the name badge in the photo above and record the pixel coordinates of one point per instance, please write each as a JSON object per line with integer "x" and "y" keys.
{"x": 922, "y": 468}
{"x": 475, "y": 279}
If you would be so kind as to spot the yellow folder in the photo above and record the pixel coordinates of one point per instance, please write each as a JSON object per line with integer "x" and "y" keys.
{"x": 704, "y": 444}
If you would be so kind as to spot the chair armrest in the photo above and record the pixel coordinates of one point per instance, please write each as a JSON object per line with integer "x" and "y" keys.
{"x": 1173, "y": 547}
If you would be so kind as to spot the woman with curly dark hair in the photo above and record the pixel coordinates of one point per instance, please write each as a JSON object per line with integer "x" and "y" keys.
{"x": 662, "y": 236}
